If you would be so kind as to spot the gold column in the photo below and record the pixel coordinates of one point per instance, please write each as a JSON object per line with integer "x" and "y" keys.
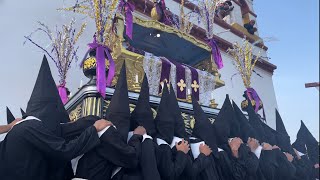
{"x": 92, "y": 106}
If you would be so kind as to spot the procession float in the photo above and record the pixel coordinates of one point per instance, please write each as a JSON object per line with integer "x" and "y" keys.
{"x": 176, "y": 42}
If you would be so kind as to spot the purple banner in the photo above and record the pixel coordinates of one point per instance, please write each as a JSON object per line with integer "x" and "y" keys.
{"x": 194, "y": 82}
{"x": 253, "y": 95}
{"x": 128, "y": 9}
{"x": 165, "y": 73}
{"x": 181, "y": 81}
{"x": 101, "y": 51}
{"x": 215, "y": 53}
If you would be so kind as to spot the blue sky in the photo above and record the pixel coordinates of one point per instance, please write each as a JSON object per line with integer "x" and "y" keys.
{"x": 296, "y": 54}
{"x": 294, "y": 23}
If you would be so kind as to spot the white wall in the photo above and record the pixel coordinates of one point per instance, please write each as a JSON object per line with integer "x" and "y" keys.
{"x": 236, "y": 15}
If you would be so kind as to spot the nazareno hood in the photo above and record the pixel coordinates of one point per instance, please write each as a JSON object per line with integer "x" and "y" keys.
{"x": 45, "y": 102}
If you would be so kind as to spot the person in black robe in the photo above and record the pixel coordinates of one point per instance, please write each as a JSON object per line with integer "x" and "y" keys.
{"x": 313, "y": 151}
{"x": 204, "y": 147}
{"x": 170, "y": 165}
{"x": 236, "y": 160}
{"x": 34, "y": 145}
{"x": 10, "y": 116}
{"x": 114, "y": 153}
{"x": 305, "y": 141}
{"x": 22, "y": 112}
{"x": 11, "y": 120}
{"x": 286, "y": 169}
{"x": 177, "y": 156}
{"x": 263, "y": 152}
{"x": 70, "y": 131}
{"x": 301, "y": 160}
{"x": 142, "y": 116}
{"x": 261, "y": 146}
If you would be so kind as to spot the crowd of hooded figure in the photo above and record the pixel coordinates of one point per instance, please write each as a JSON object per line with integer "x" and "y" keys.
{"x": 45, "y": 145}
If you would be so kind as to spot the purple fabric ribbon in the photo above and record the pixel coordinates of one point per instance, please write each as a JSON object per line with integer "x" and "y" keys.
{"x": 215, "y": 53}
{"x": 252, "y": 94}
{"x": 128, "y": 9}
{"x": 101, "y": 50}
{"x": 165, "y": 72}
{"x": 63, "y": 93}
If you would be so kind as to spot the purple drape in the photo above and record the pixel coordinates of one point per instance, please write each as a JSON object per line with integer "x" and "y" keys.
{"x": 128, "y": 9}
{"x": 165, "y": 72}
{"x": 101, "y": 51}
{"x": 215, "y": 53}
{"x": 63, "y": 93}
{"x": 180, "y": 76}
{"x": 253, "y": 95}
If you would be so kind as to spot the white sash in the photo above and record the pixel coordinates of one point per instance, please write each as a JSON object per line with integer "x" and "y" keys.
{"x": 115, "y": 171}
{"x": 161, "y": 141}
{"x": 26, "y": 119}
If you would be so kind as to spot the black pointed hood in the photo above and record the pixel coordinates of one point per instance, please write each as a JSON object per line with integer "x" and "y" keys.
{"x": 179, "y": 126}
{"x": 246, "y": 129}
{"x": 203, "y": 127}
{"x": 312, "y": 145}
{"x": 255, "y": 122}
{"x": 10, "y": 116}
{"x": 225, "y": 125}
{"x": 270, "y": 134}
{"x": 45, "y": 102}
{"x": 142, "y": 114}
{"x": 118, "y": 110}
{"x": 164, "y": 119}
{"x": 280, "y": 128}
{"x": 300, "y": 143}
{"x": 22, "y": 112}
{"x": 283, "y": 139}
{"x": 300, "y": 146}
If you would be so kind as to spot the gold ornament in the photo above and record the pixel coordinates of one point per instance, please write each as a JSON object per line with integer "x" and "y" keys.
{"x": 195, "y": 86}
{"x": 154, "y": 14}
{"x": 182, "y": 85}
{"x": 244, "y": 60}
{"x": 90, "y": 63}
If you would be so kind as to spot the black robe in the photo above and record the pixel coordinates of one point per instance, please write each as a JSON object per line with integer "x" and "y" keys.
{"x": 305, "y": 169}
{"x": 245, "y": 167}
{"x": 286, "y": 169}
{"x": 172, "y": 163}
{"x": 205, "y": 168}
{"x": 29, "y": 148}
{"x": 147, "y": 168}
{"x": 301, "y": 169}
{"x": 268, "y": 164}
{"x": 112, "y": 152}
